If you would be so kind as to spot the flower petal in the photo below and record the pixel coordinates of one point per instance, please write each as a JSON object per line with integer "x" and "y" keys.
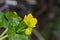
{"x": 33, "y": 22}
{"x": 30, "y": 16}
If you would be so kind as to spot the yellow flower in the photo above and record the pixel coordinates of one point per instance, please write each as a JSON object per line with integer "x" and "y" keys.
{"x": 28, "y": 31}
{"x": 30, "y": 21}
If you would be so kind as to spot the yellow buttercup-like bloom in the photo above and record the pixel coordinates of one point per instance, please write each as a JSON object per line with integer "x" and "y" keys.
{"x": 30, "y": 21}
{"x": 28, "y": 31}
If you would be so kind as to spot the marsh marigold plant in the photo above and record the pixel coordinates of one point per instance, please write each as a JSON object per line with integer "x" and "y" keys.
{"x": 30, "y": 22}
{"x": 18, "y": 28}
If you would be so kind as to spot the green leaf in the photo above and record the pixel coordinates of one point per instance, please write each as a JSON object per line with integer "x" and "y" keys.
{"x": 18, "y": 37}
{"x": 11, "y": 30}
{"x": 9, "y": 15}
{"x": 14, "y": 22}
{"x": 5, "y": 23}
{"x": 21, "y": 27}
{"x": 13, "y": 18}
{"x": 1, "y": 19}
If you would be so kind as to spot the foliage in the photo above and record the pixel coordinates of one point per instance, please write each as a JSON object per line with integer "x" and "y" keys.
{"x": 16, "y": 26}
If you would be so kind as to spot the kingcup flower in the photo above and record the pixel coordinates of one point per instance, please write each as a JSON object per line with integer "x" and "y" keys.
{"x": 30, "y": 22}
{"x": 28, "y": 31}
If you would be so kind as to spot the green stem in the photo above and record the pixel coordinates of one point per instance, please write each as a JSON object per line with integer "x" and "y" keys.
{"x": 3, "y": 37}
{"x": 4, "y": 32}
